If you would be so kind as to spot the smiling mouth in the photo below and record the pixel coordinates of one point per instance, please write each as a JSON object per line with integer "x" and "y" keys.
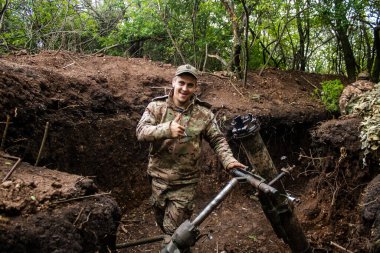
{"x": 184, "y": 94}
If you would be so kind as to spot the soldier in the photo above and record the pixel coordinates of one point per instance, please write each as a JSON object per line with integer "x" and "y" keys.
{"x": 174, "y": 125}
{"x": 354, "y": 90}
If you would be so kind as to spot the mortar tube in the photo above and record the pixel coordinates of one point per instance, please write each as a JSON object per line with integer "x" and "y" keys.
{"x": 216, "y": 201}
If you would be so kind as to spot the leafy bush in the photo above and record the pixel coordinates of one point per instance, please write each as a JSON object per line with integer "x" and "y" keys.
{"x": 330, "y": 94}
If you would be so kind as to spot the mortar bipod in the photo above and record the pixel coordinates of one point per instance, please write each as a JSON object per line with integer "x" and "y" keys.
{"x": 187, "y": 233}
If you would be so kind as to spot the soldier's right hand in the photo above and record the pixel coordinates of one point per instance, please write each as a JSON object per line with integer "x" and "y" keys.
{"x": 176, "y": 129}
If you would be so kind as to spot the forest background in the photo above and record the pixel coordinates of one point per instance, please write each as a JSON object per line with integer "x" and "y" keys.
{"x": 321, "y": 36}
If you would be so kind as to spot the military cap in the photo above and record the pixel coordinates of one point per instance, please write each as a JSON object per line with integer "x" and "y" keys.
{"x": 187, "y": 68}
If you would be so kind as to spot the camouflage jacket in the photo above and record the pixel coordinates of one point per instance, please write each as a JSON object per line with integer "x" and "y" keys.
{"x": 175, "y": 160}
{"x": 351, "y": 92}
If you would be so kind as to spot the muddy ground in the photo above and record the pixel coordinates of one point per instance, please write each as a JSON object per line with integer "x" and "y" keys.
{"x": 92, "y": 104}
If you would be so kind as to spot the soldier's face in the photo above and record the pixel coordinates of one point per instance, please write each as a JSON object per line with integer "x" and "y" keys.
{"x": 184, "y": 87}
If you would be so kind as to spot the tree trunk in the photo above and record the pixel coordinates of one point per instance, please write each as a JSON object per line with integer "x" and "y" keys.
{"x": 376, "y": 46}
{"x": 235, "y": 65}
{"x": 348, "y": 54}
{"x": 2, "y": 13}
{"x": 301, "y": 59}
{"x": 342, "y": 37}
{"x": 368, "y": 48}
{"x": 264, "y": 48}
{"x": 136, "y": 48}
{"x": 246, "y": 51}
{"x": 194, "y": 26}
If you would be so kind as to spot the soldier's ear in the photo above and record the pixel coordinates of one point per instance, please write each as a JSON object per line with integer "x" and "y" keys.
{"x": 173, "y": 81}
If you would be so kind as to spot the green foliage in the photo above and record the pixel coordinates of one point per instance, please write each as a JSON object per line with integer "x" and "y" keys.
{"x": 330, "y": 94}
{"x": 166, "y": 29}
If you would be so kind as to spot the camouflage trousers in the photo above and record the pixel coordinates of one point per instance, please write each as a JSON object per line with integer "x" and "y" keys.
{"x": 172, "y": 204}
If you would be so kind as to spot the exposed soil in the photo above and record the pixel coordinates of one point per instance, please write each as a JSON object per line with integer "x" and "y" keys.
{"x": 43, "y": 210}
{"x": 93, "y": 103}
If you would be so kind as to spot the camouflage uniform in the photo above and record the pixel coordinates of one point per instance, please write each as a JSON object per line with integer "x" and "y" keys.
{"x": 351, "y": 92}
{"x": 173, "y": 162}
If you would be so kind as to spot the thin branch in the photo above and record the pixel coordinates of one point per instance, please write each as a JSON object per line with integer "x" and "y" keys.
{"x": 5, "y": 132}
{"x": 82, "y": 197}
{"x": 78, "y": 216}
{"x": 224, "y": 62}
{"x": 12, "y": 169}
{"x": 206, "y": 54}
{"x": 370, "y": 202}
{"x": 107, "y": 48}
{"x": 340, "y": 247}
{"x": 42, "y": 143}
{"x": 304, "y": 78}
{"x": 241, "y": 94}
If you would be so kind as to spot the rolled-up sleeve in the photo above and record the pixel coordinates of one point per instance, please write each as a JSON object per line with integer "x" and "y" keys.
{"x": 219, "y": 143}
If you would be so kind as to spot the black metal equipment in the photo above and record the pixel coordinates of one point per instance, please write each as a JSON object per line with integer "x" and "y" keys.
{"x": 244, "y": 126}
{"x": 187, "y": 233}
{"x": 279, "y": 215}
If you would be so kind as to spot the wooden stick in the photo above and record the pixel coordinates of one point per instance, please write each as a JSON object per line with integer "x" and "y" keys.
{"x": 157, "y": 87}
{"x": 340, "y": 247}
{"x": 9, "y": 156}
{"x": 82, "y": 197}
{"x": 141, "y": 241}
{"x": 304, "y": 78}
{"x": 11, "y": 171}
{"x": 224, "y": 62}
{"x": 123, "y": 229}
{"x": 241, "y": 94}
{"x": 5, "y": 132}
{"x": 80, "y": 213}
{"x": 221, "y": 77}
{"x": 68, "y": 65}
{"x": 42, "y": 143}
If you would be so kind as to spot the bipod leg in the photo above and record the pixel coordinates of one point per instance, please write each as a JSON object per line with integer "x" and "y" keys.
{"x": 215, "y": 202}
{"x": 186, "y": 235}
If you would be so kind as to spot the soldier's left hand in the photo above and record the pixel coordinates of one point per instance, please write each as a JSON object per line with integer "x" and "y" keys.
{"x": 235, "y": 165}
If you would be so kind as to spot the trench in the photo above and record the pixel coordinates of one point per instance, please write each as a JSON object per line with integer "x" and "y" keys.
{"x": 92, "y": 133}
{"x": 95, "y": 137}
{"x": 104, "y": 147}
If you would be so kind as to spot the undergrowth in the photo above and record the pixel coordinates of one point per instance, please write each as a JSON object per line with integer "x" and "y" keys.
{"x": 329, "y": 94}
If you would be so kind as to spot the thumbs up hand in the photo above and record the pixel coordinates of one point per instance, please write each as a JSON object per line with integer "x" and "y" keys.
{"x": 176, "y": 128}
